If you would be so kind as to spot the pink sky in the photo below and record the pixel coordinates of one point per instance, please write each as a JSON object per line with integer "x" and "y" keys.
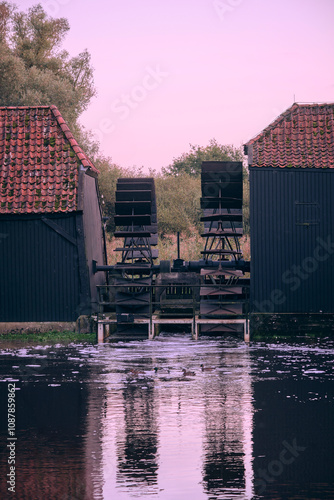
{"x": 171, "y": 73}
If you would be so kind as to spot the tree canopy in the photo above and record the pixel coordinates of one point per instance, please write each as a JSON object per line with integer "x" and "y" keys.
{"x": 34, "y": 70}
{"x": 190, "y": 163}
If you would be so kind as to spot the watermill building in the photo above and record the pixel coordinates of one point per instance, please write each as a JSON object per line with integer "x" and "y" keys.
{"x": 291, "y": 167}
{"x": 50, "y": 220}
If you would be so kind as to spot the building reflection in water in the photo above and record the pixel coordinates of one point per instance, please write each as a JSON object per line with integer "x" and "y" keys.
{"x": 89, "y": 429}
{"x": 228, "y": 427}
{"x": 293, "y": 423}
{"x": 173, "y": 435}
{"x": 58, "y": 451}
{"x": 130, "y": 445}
{"x": 137, "y": 447}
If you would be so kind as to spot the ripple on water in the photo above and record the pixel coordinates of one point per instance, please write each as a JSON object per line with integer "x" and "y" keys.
{"x": 139, "y": 433}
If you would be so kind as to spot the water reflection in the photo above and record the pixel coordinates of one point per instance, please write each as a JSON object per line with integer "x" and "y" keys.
{"x": 58, "y": 452}
{"x": 99, "y": 422}
{"x": 137, "y": 440}
{"x": 170, "y": 434}
{"x": 228, "y": 427}
{"x": 293, "y": 421}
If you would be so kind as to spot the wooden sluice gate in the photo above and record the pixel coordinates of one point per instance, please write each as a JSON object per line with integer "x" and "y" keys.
{"x": 209, "y": 295}
{"x": 176, "y": 304}
{"x": 104, "y": 324}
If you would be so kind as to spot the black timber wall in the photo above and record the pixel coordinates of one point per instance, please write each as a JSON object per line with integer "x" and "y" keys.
{"x": 292, "y": 240}
{"x": 40, "y": 275}
{"x": 93, "y": 241}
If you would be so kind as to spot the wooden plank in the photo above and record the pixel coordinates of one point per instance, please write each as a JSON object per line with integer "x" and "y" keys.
{"x": 59, "y": 230}
{"x": 153, "y": 240}
{"x": 238, "y": 233}
{"x": 136, "y": 220}
{"x": 138, "y": 195}
{"x": 221, "y": 252}
{"x": 85, "y": 289}
{"x": 132, "y": 234}
{"x": 211, "y": 202}
{"x": 220, "y": 321}
{"x": 139, "y": 282}
{"x": 154, "y": 253}
{"x": 222, "y": 290}
{"x": 135, "y": 180}
{"x": 207, "y": 329}
{"x": 222, "y": 217}
{"x": 172, "y": 321}
{"x": 208, "y": 308}
{"x": 222, "y": 189}
{"x": 134, "y": 186}
{"x": 222, "y": 169}
{"x": 226, "y": 226}
{"x": 221, "y": 272}
{"x": 132, "y": 207}
{"x": 127, "y": 301}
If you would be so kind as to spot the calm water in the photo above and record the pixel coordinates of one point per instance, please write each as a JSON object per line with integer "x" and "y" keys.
{"x": 99, "y": 422}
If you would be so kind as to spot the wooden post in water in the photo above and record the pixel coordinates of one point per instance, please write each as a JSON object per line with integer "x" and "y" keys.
{"x": 195, "y": 328}
{"x": 150, "y": 327}
{"x": 246, "y": 331}
{"x": 100, "y": 332}
{"x": 150, "y": 321}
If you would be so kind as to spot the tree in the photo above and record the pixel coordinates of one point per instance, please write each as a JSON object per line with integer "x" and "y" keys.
{"x": 6, "y": 11}
{"x": 33, "y": 68}
{"x": 190, "y": 163}
{"x": 178, "y": 203}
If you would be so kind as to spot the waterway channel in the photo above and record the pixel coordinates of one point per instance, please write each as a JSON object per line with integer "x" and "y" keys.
{"x": 169, "y": 419}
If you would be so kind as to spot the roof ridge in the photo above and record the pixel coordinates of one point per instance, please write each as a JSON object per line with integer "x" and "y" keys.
{"x": 301, "y": 136}
{"x": 86, "y": 162}
{"x": 25, "y": 107}
{"x": 66, "y": 130}
{"x": 274, "y": 123}
{"x": 39, "y": 162}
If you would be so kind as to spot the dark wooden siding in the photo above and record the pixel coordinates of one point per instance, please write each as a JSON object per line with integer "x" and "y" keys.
{"x": 39, "y": 273}
{"x": 292, "y": 240}
{"x": 92, "y": 223}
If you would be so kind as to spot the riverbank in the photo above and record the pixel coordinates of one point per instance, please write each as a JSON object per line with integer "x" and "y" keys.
{"x": 51, "y": 336}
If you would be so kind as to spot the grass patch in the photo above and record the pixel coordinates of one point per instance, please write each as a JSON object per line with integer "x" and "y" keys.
{"x": 269, "y": 338}
{"x": 53, "y": 336}
{"x": 294, "y": 336}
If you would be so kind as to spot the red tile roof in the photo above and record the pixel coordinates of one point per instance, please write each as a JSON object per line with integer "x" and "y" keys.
{"x": 39, "y": 161}
{"x": 302, "y": 136}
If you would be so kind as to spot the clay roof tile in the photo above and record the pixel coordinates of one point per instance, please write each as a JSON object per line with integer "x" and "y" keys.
{"x": 37, "y": 155}
{"x": 302, "y": 130}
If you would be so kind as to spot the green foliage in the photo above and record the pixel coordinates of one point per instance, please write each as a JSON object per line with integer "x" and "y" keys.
{"x": 190, "y": 163}
{"x": 178, "y": 203}
{"x": 36, "y": 38}
{"x": 33, "y": 69}
{"x": 51, "y": 337}
{"x": 87, "y": 142}
{"x": 6, "y": 11}
{"x": 178, "y": 198}
{"x": 191, "y": 244}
